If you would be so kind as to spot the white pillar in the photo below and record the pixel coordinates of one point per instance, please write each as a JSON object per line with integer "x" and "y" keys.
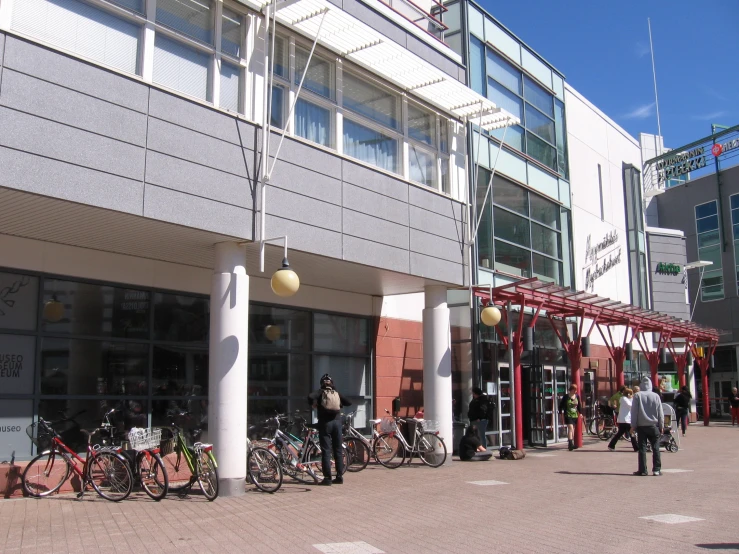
{"x": 437, "y": 363}
{"x": 690, "y": 381}
{"x": 227, "y": 371}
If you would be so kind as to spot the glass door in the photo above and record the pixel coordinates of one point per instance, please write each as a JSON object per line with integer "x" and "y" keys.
{"x": 560, "y": 389}
{"x": 538, "y": 430}
{"x": 549, "y": 410}
{"x": 504, "y": 405}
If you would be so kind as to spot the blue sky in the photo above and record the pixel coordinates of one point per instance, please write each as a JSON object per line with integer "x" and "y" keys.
{"x": 603, "y": 50}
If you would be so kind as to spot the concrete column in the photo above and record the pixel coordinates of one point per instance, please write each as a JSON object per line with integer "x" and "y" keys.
{"x": 693, "y": 389}
{"x": 437, "y": 363}
{"x": 227, "y": 371}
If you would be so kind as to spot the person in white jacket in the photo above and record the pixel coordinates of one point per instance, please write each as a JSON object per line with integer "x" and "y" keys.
{"x": 624, "y": 420}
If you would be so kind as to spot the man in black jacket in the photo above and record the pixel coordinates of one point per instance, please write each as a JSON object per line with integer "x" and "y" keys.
{"x": 329, "y": 402}
{"x": 478, "y": 413}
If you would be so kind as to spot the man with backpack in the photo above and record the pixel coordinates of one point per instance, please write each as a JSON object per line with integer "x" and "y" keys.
{"x": 479, "y": 412}
{"x": 328, "y": 403}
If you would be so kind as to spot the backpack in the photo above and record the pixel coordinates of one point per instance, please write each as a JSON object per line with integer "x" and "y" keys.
{"x": 506, "y": 453}
{"x": 330, "y": 400}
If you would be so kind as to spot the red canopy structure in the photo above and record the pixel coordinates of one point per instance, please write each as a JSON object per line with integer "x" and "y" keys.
{"x": 559, "y": 302}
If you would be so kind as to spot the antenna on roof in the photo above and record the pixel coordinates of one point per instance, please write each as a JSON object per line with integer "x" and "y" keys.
{"x": 654, "y": 76}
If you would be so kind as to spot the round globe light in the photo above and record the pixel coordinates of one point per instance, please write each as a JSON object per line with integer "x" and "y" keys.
{"x": 53, "y": 310}
{"x": 272, "y": 332}
{"x": 490, "y": 316}
{"x": 285, "y": 282}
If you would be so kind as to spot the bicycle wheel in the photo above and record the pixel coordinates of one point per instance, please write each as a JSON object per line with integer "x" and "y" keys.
{"x": 432, "y": 450}
{"x": 45, "y": 474}
{"x": 264, "y": 470}
{"x": 605, "y": 428}
{"x": 109, "y": 475}
{"x": 178, "y": 472}
{"x": 388, "y": 450}
{"x": 358, "y": 453}
{"x": 207, "y": 474}
{"x": 316, "y": 455}
{"x": 153, "y": 475}
{"x": 672, "y": 447}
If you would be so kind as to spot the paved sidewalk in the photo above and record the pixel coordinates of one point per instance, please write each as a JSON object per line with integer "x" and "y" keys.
{"x": 552, "y": 501}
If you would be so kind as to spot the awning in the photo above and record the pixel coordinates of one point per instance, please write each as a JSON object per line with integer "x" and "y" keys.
{"x": 354, "y": 40}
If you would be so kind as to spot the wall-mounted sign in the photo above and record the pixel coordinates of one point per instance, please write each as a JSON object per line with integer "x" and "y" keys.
{"x": 601, "y": 257}
{"x": 17, "y": 355}
{"x": 669, "y": 269}
{"x": 719, "y": 149}
{"x": 681, "y": 163}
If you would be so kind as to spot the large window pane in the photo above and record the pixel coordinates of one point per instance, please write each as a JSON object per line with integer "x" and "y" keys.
{"x": 541, "y": 151}
{"x": 503, "y": 72}
{"x": 277, "y": 382}
{"x": 193, "y": 18}
{"x": 510, "y": 196}
{"x": 319, "y": 75}
{"x": 477, "y": 65}
{"x": 188, "y": 413}
{"x": 229, "y": 87}
{"x": 513, "y": 138}
{"x": 95, "y": 310}
{"x": 484, "y": 239}
{"x": 545, "y": 240}
{"x": 561, "y": 131}
{"x": 445, "y": 182}
{"x": 279, "y": 328}
{"x": 711, "y": 254}
{"x": 313, "y": 122}
{"x": 349, "y": 374}
{"x": 370, "y": 146}
{"x": 544, "y": 211}
{"x": 180, "y": 67}
{"x": 538, "y": 97}
{"x": 707, "y": 224}
{"x": 336, "y": 333}
{"x": 133, "y": 5}
{"x": 547, "y": 269}
{"x": 281, "y": 63}
{"x": 539, "y": 123}
{"x": 712, "y": 287}
{"x": 511, "y": 227}
{"x": 180, "y": 371}
{"x": 18, "y": 301}
{"x": 511, "y": 259}
{"x": 181, "y": 318}
{"x": 505, "y": 99}
{"x": 231, "y": 33}
{"x": 421, "y": 125}
{"x": 369, "y": 100}
{"x": 704, "y": 210}
{"x": 93, "y": 367}
{"x": 422, "y": 166}
{"x": 277, "y": 118}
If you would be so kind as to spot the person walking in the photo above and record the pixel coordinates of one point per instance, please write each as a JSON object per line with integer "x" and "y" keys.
{"x": 648, "y": 420}
{"x": 682, "y": 407}
{"x": 733, "y": 399}
{"x": 471, "y": 449}
{"x": 624, "y": 419}
{"x": 570, "y": 407}
{"x": 478, "y": 413}
{"x": 329, "y": 402}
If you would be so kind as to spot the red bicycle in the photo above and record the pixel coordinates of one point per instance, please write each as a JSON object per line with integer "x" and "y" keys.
{"x": 107, "y": 471}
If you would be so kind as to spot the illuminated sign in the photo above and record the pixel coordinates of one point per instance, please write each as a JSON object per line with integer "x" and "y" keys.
{"x": 719, "y": 149}
{"x": 669, "y": 269}
{"x": 680, "y": 164}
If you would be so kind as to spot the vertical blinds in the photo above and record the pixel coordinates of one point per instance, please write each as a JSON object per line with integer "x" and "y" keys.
{"x": 181, "y": 68}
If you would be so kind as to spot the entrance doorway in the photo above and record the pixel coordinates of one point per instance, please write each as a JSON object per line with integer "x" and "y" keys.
{"x": 546, "y": 385}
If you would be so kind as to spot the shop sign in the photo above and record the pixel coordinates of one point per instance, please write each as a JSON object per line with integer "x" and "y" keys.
{"x": 719, "y": 149}
{"x": 669, "y": 269}
{"x": 601, "y": 257}
{"x": 17, "y": 356}
{"x": 681, "y": 163}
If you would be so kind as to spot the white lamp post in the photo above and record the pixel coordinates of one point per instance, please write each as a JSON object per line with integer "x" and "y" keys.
{"x": 692, "y": 265}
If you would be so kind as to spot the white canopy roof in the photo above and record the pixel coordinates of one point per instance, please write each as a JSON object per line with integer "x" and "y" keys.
{"x": 350, "y": 38}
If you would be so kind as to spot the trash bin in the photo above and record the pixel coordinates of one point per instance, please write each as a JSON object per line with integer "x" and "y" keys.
{"x": 459, "y": 428}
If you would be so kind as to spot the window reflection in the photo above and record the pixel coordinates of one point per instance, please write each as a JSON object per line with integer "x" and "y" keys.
{"x": 334, "y": 333}
{"x": 180, "y": 318}
{"x": 180, "y": 371}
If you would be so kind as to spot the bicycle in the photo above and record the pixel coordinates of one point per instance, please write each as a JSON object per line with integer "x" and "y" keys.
{"x": 358, "y": 455}
{"x": 391, "y": 445}
{"x": 187, "y": 465}
{"x": 106, "y": 470}
{"x": 263, "y": 468}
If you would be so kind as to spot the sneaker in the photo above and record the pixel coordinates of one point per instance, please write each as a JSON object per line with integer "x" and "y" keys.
{"x": 325, "y": 483}
{"x": 640, "y": 473}
{"x": 656, "y": 473}
{"x": 338, "y": 481}
{"x": 611, "y": 448}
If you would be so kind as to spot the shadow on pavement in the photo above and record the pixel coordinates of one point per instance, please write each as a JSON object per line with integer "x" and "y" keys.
{"x": 593, "y": 473}
{"x": 720, "y": 546}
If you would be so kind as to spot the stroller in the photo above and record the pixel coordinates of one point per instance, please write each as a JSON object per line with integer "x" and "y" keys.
{"x": 666, "y": 439}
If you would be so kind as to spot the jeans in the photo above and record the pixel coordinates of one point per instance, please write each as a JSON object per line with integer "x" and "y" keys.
{"x": 650, "y": 434}
{"x": 683, "y": 418}
{"x": 329, "y": 435}
{"x": 482, "y": 427}
{"x": 623, "y": 428}
{"x": 480, "y": 457}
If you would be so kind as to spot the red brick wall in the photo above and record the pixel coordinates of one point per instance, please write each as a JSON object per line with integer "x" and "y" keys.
{"x": 398, "y": 365}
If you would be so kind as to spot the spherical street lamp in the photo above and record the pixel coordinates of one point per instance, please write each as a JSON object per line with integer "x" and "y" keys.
{"x": 285, "y": 282}
{"x": 490, "y": 316}
{"x": 53, "y": 310}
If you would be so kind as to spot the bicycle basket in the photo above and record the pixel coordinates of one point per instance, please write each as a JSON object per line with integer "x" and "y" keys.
{"x": 430, "y": 425}
{"x": 388, "y": 425}
{"x": 39, "y": 437}
{"x": 143, "y": 439}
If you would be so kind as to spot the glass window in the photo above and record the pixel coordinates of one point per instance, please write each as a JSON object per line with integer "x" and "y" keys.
{"x": 180, "y": 371}
{"x": 513, "y": 137}
{"x": 709, "y": 223}
{"x": 711, "y": 254}
{"x": 18, "y": 301}
{"x": 231, "y": 33}
{"x": 279, "y": 328}
{"x": 95, "y": 310}
{"x": 545, "y": 240}
{"x": 313, "y": 122}
{"x": 443, "y": 134}
{"x": 17, "y": 364}
{"x": 422, "y": 166}
{"x": 504, "y": 98}
{"x": 93, "y": 367}
{"x": 133, "y": 5}
{"x": 512, "y": 259}
{"x": 544, "y": 211}
{"x": 538, "y": 97}
{"x": 541, "y": 151}
{"x": 511, "y": 227}
{"x": 180, "y": 318}
{"x": 421, "y": 125}
{"x": 510, "y": 196}
{"x": 503, "y": 72}
{"x": 709, "y": 249}
{"x": 337, "y": 333}
{"x": 561, "y": 133}
{"x": 539, "y": 123}
{"x": 454, "y": 41}
{"x": 712, "y": 287}
{"x": 277, "y": 118}
{"x": 281, "y": 63}
{"x": 704, "y": 210}
{"x": 349, "y": 374}
{"x": 189, "y": 17}
{"x": 547, "y": 269}
{"x": 369, "y": 100}
{"x": 229, "y": 87}
{"x": 445, "y": 183}
{"x": 477, "y": 65}
{"x": 708, "y": 238}
{"x": 451, "y": 17}
{"x": 484, "y": 240}
{"x": 370, "y": 146}
{"x": 319, "y": 75}
{"x": 180, "y": 67}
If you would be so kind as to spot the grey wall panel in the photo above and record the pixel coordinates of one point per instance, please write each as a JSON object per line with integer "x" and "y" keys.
{"x": 375, "y": 181}
{"x": 370, "y": 17}
{"x": 436, "y": 224}
{"x": 426, "y": 52}
{"x": 75, "y": 74}
{"x": 298, "y": 179}
{"x": 362, "y": 200}
{"x": 434, "y": 268}
{"x": 183, "y": 143}
{"x": 435, "y": 246}
{"x": 192, "y": 116}
{"x": 38, "y": 175}
{"x": 666, "y": 250}
{"x": 365, "y": 226}
{"x": 2, "y": 49}
{"x": 435, "y": 203}
{"x": 304, "y": 155}
{"x": 375, "y": 254}
{"x": 54, "y": 140}
{"x": 306, "y": 237}
{"x": 50, "y": 101}
{"x": 248, "y": 135}
{"x": 193, "y": 211}
{"x": 198, "y": 180}
{"x": 289, "y": 205}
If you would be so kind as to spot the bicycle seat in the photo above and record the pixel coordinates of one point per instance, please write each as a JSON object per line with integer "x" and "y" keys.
{"x": 375, "y": 421}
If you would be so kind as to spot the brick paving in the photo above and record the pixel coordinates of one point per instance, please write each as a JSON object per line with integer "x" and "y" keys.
{"x": 582, "y": 501}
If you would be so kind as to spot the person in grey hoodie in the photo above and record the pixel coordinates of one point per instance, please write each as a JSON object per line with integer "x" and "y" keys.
{"x": 647, "y": 419}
